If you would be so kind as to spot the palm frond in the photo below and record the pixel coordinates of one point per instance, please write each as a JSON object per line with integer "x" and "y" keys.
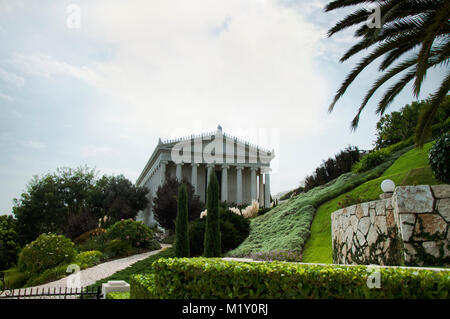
{"x": 423, "y": 129}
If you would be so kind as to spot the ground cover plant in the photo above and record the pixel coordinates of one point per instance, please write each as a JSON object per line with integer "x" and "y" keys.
{"x": 410, "y": 168}
{"x": 287, "y": 226}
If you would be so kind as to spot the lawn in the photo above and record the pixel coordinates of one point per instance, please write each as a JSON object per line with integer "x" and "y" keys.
{"x": 287, "y": 226}
{"x": 409, "y": 169}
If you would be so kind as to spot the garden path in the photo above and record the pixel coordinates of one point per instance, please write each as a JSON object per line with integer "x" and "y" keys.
{"x": 91, "y": 275}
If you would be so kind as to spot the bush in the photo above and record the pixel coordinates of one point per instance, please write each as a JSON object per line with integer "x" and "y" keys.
{"x": 48, "y": 275}
{"x": 118, "y": 248}
{"x": 370, "y": 160}
{"x": 88, "y": 258}
{"x": 330, "y": 169}
{"x": 233, "y": 230}
{"x": 47, "y": 251}
{"x": 179, "y": 278}
{"x": 118, "y": 295}
{"x": 281, "y": 255}
{"x": 9, "y": 242}
{"x": 88, "y": 235}
{"x": 137, "y": 234}
{"x": 439, "y": 158}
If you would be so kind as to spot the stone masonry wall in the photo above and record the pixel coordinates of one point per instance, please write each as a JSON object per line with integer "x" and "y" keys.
{"x": 410, "y": 228}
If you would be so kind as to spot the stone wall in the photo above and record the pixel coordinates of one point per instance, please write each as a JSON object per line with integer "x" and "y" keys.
{"x": 410, "y": 228}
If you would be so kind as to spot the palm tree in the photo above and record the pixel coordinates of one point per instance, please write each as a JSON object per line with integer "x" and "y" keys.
{"x": 414, "y": 33}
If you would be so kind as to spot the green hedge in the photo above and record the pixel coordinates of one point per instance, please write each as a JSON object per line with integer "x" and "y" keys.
{"x": 216, "y": 278}
{"x": 118, "y": 295}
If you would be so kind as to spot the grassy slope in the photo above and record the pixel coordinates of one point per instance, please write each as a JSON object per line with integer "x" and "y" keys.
{"x": 410, "y": 168}
{"x": 287, "y": 226}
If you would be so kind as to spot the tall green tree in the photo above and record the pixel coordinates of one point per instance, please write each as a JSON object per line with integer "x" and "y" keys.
{"x": 165, "y": 203}
{"x": 212, "y": 244}
{"x": 71, "y": 201}
{"x": 181, "y": 224}
{"x": 414, "y": 33}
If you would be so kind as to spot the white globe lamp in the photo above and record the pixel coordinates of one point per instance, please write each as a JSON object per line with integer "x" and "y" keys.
{"x": 387, "y": 186}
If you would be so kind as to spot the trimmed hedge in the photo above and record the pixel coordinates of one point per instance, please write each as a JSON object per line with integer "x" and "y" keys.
{"x": 118, "y": 295}
{"x": 183, "y": 278}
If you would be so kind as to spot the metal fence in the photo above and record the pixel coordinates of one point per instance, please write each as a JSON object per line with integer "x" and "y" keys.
{"x": 52, "y": 293}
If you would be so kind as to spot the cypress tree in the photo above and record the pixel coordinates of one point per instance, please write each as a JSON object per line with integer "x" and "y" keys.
{"x": 212, "y": 245}
{"x": 181, "y": 224}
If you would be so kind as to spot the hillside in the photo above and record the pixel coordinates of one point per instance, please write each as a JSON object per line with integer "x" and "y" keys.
{"x": 409, "y": 169}
{"x": 288, "y": 225}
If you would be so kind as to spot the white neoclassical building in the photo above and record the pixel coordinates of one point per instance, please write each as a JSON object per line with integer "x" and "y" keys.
{"x": 242, "y": 168}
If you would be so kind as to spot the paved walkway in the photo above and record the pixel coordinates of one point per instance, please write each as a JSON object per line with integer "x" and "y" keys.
{"x": 91, "y": 275}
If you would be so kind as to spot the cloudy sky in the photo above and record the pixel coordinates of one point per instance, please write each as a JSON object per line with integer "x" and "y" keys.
{"x": 102, "y": 94}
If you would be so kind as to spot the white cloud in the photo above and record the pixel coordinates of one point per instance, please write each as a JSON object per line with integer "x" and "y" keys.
{"x": 11, "y": 78}
{"x": 237, "y": 63}
{"x": 46, "y": 66}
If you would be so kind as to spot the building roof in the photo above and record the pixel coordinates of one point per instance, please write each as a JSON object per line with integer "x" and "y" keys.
{"x": 167, "y": 145}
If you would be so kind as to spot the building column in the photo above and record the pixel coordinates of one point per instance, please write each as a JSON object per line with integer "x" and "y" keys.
{"x": 179, "y": 172}
{"x": 261, "y": 190}
{"x": 239, "y": 185}
{"x": 224, "y": 195}
{"x": 253, "y": 184}
{"x": 162, "y": 177}
{"x": 194, "y": 177}
{"x": 267, "y": 190}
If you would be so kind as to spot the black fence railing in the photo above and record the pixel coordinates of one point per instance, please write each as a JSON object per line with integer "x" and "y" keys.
{"x": 52, "y": 293}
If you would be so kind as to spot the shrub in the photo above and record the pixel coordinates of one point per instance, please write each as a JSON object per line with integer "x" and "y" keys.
{"x": 233, "y": 230}
{"x": 47, "y": 275}
{"x": 439, "y": 158}
{"x": 88, "y": 235}
{"x": 137, "y": 234}
{"x": 191, "y": 278}
{"x": 88, "y": 258}
{"x": 212, "y": 245}
{"x": 118, "y": 248}
{"x": 181, "y": 225}
{"x": 330, "y": 169}
{"x": 118, "y": 295}
{"x": 47, "y": 251}
{"x": 281, "y": 255}
{"x": 370, "y": 160}
{"x": 9, "y": 242}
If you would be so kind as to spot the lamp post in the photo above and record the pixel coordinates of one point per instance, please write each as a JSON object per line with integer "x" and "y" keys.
{"x": 387, "y": 186}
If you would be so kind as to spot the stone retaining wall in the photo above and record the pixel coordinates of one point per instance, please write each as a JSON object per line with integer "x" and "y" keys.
{"x": 410, "y": 228}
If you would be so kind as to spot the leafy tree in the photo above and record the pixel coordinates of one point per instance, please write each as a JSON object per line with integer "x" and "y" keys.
{"x": 212, "y": 244}
{"x": 416, "y": 29}
{"x": 165, "y": 203}
{"x": 399, "y": 126}
{"x": 181, "y": 227}
{"x": 71, "y": 201}
{"x": 9, "y": 242}
{"x": 119, "y": 198}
